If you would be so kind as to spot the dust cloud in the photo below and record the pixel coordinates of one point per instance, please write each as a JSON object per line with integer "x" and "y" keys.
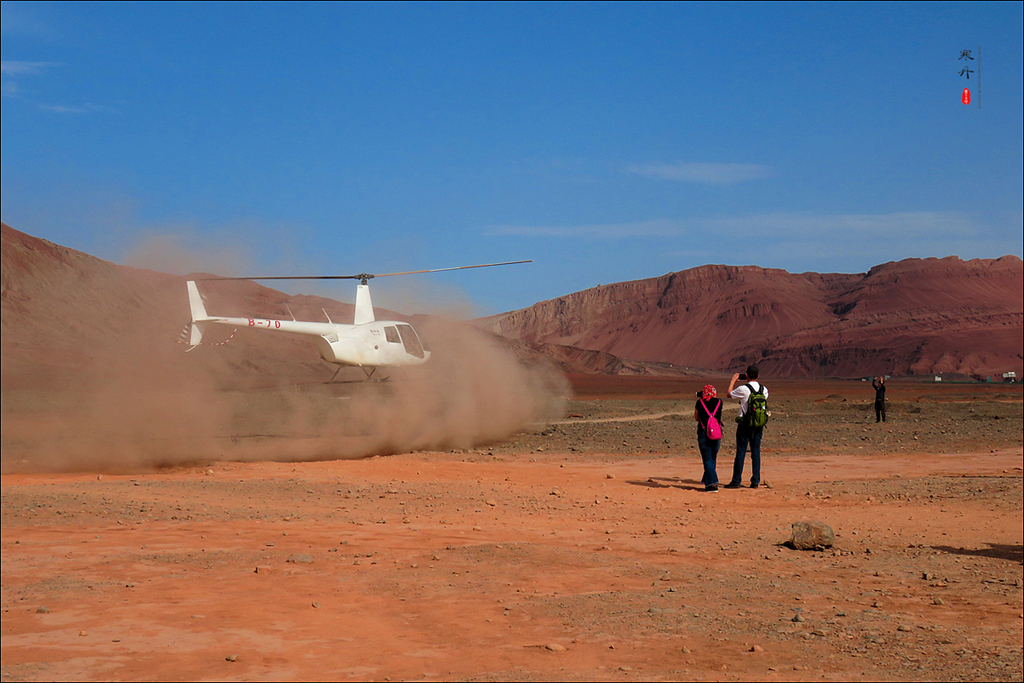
{"x": 144, "y": 403}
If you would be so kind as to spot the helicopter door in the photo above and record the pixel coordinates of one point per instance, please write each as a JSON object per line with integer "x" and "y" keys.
{"x": 412, "y": 342}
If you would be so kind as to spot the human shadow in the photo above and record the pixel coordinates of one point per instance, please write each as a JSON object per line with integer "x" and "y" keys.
{"x": 999, "y": 551}
{"x": 668, "y": 483}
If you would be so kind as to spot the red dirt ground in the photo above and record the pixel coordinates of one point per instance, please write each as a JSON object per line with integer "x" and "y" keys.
{"x": 565, "y": 553}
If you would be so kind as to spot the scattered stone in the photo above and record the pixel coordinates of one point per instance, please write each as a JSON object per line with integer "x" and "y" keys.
{"x": 757, "y": 648}
{"x": 316, "y": 605}
{"x": 797, "y": 618}
{"x": 903, "y": 627}
{"x": 609, "y": 476}
{"x": 300, "y": 558}
{"x": 811, "y": 535}
{"x": 492, "y": 503}
{"x": 938, "y": 601}
{"x": 554, "y": 647}
{"x": 42, "y": 610}
{"x": 263, "y": 569}
{"x": 231, "y": 658}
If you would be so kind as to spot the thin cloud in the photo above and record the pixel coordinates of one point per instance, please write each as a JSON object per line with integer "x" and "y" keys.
{"x": 774, "y": 227}
{"x": 83, "y": 109}
{"x": 25, "y": 68}
{"x": 655, "y": 228}
{"x": 708, "y": 173}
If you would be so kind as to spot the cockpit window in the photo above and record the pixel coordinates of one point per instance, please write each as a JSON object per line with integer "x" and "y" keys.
{"x": 412, "y": 342}
{"x": 391, "y": 334}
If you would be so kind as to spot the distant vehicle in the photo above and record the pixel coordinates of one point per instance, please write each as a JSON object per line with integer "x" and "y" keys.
{"x": 1009, "y": 376}
{"x": 366, "y": 343}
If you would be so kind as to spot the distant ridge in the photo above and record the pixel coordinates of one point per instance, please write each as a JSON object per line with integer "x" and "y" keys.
{"x": 917, "y": 316}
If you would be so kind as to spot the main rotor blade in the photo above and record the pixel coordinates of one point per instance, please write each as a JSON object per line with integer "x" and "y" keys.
{"x": 363, "y": 276}
{"x": 440, "y": 270}
{"x": 291, "y": 277}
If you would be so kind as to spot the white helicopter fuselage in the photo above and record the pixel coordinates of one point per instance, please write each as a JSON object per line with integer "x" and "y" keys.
{"x": 365, "y": 343}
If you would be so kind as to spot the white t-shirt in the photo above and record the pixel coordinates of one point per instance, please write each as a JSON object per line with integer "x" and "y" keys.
{"x": 743, "y": 394}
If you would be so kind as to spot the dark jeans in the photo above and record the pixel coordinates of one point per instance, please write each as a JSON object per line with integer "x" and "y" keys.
{"x": 744, "y": 436}
{"x": 879, "y": 410}
{"x": 709, "y": 454}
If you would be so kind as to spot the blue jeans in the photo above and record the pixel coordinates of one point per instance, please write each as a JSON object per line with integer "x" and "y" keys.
{"x": 709, "y": 454}
{"x": 744, "y": 436}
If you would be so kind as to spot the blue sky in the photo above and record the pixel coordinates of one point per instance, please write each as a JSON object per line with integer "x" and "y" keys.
{"x": 607, "y": 142}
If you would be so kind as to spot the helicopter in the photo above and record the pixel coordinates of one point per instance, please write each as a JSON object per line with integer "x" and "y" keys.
{"x": 366, "y": 343}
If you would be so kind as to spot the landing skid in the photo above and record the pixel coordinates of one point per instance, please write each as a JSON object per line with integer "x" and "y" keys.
{"x": 367, "y": 371}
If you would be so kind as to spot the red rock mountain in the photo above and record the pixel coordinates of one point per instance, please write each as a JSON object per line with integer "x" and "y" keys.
{"x": 918, "y": 316}
{"x": 65, "y": 312}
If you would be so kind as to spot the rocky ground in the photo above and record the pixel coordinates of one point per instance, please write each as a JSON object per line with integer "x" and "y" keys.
{"x": 584, "y": 550}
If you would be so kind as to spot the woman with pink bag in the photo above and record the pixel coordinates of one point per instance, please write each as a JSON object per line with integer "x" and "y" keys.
{"x": 708, "y": 414}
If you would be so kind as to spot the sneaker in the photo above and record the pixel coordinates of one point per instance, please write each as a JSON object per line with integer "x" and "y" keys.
{"x": 730, "y": 485}
{"x": 711, "y": 489}
{"x": 754, "y": 486}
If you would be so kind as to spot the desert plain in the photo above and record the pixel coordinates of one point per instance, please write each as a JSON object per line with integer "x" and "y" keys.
{"x": 583, "y": 549}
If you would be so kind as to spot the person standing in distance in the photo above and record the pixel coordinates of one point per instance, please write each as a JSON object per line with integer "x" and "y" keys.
{"x": 878, "y": 384}
{"x": 708, "y": 415}
{"x": 746, "y": 433}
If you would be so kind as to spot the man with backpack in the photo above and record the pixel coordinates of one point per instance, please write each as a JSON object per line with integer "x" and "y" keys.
{"x": 753, "y": 398}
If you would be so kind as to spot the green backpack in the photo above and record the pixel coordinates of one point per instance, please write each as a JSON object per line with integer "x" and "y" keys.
{"x": 757, "y": 407}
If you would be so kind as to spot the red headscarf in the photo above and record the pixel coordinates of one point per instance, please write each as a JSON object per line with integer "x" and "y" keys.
{"x": 709, "y": 392}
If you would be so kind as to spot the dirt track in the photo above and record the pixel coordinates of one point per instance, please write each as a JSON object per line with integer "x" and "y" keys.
{"x": 584, "y": 551}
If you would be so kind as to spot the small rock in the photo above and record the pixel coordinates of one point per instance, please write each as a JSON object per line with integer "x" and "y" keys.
{"x": 797, "y": 618}
{"x": 554, "y": 647}
{"x": 42, "y": 610}
{"x": 903, "y": 627}
{"x": 609, "y": 476}
{"x": 809, "y": 535}
{"x": 231, "y": 658}
{"x": 938, "y": 601}
{"x": 300, "y": 558}
{"x": 757, "y": 648}
{"x": 316, "y": 605}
